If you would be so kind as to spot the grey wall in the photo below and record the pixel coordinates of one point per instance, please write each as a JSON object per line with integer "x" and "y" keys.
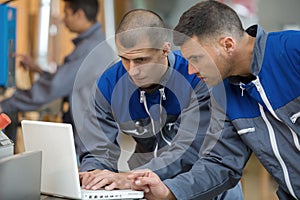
{"x": 271, "y": 14}
{"x": 274, "y": 14}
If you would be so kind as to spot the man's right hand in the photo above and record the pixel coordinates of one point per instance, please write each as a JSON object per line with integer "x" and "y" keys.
{"x": 151, "y": 184}
{"x": 109, "y": 180}
{"x": 28, "y": 63}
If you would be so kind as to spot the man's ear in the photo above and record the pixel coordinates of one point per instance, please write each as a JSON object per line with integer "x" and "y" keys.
{"x": 166, "y": 48}
{"x": 80, "y": 13}
{"x": 228, "y": 43}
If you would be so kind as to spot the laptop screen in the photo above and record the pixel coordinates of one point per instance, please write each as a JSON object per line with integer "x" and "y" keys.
{"x": 59, "y": 165}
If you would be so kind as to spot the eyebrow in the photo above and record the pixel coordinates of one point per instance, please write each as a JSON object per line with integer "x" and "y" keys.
{"x": 195, "y": 56}
{"x": 123, "y": 57}
{"x": 142, "y": 57}
{"x": 192, "y": 56}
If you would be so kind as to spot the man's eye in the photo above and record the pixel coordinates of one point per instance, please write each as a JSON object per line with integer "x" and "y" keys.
{"x": 194, "y": 59}
{"x": 140, "y": 60}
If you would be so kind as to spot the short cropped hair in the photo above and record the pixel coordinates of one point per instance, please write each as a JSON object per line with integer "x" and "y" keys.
{"x": 208, "y": 19}
{"x": 139, "y": 25}
{"x": 89, "y": 7}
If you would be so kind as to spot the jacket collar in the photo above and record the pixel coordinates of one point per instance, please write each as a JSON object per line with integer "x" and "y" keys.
{"x": 167, "y": 75}
{"x": 259, "y": 50}
{"x": 258, "y": 55}
{"x": 87, "y": 33}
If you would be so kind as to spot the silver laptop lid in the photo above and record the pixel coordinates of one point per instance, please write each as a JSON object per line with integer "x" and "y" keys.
{"x": 20, "y": 176}
{"x": 59, "y": 165}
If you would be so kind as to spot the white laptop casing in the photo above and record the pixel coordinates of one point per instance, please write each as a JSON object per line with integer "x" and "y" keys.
{"x": 59, "y": 164}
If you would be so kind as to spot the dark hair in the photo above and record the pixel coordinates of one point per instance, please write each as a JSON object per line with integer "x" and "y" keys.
{"x": 89, "y": 7}
{"x": 208, "y": 19}
{"x": 138, "y": 24}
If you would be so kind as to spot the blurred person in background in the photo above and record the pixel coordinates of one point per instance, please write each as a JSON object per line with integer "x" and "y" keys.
{"x": 80, "y": 17}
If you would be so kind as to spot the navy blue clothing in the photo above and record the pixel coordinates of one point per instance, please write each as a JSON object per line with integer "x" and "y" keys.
{"x": 153, "y": 120}
{"x": 168, "y": 124}
{"x": 259, "y": 115}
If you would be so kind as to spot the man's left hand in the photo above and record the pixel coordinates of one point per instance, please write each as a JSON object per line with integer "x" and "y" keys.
{"x": 106, "y": 179}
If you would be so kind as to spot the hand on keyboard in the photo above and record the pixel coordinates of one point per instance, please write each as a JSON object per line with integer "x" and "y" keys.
{"x": 106, "y": 179}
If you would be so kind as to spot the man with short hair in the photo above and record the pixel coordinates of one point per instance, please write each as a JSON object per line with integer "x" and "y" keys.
{"x": 255, "y": 96}
{"x": 81, "y": 18}
{"x": 150, "y": 96}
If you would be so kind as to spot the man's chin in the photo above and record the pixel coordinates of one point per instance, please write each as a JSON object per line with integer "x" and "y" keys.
{"x": 142, "y": 85}
{"x": 145, "y": 86}
{"x": 150, "y": 87}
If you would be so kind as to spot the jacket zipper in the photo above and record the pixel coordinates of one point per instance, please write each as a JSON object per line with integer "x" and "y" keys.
{"x": 276, "y": 152}
{"x": 267, "y": 103}
{"x": 242, "y": 87}
{"x": 272, "y": 134}
{"x": 162, "y": 97}
{"x": 295, "y": 117}
{"x": 144, "y": 101}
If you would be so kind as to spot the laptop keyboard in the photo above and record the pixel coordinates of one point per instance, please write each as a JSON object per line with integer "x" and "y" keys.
{"x": 103, "y": 194}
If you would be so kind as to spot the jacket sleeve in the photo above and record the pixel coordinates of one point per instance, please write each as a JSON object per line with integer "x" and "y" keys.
{"x": 46, "y": 89}
{"x": 191, "y": 128}
{"x": 99, "y": 147}
{"x": 223, "y": 157}
{"x": 96, "y": 131}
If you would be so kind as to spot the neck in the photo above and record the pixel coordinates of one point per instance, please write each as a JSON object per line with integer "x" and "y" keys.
{"x": 86, "y": 26}
{"x": 243, "y": 59}
{"x": 152, "y": 88}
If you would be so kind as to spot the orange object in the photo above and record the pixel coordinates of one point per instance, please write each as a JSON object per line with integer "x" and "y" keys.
{"x": 4, "y": 121}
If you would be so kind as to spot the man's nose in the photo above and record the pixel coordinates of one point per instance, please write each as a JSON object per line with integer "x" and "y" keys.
{"x": 133, "y": 69}
{"x": 192, "y": 69}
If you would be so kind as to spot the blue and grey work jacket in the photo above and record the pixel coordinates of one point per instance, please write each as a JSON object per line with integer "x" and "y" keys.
{"x": 168, "y": 124}
{"x": 259, "y": 115}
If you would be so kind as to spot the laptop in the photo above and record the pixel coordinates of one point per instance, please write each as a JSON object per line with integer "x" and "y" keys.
{"x": 20, "y": 176}
{"x": 59, "y": 164}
